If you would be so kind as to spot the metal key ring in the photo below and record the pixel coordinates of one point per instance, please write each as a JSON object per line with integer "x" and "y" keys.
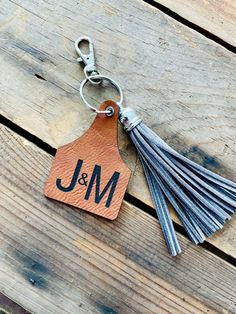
{"x": 112, "y": 82}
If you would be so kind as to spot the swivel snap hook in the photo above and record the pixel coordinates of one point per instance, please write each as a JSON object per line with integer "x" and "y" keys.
{"x": 88, "y": 60}
{"x": 93, "y": 76}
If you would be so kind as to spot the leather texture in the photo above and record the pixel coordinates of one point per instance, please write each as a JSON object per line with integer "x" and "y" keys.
{"x": 102, "y": 177}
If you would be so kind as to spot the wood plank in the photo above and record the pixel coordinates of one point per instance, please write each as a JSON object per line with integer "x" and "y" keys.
{"x": 182, "y": 84}
{"x": 57, "y": 259}
{"x": 217, "y": 17}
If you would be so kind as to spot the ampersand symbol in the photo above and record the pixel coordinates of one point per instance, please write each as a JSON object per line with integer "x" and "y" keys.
{"x": 82, "y": 180}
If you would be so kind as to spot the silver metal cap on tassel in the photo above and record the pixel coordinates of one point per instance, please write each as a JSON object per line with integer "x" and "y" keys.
{"x": 129, "y": 119}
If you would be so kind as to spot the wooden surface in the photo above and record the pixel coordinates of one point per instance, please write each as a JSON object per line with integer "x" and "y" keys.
{"x": 55, "y": 259}
{"x": 182, "y": 84}
{"x": 217, "y": 17}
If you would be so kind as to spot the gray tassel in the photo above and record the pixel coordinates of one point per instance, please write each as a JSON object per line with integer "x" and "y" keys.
{"x": 202, "y": 199}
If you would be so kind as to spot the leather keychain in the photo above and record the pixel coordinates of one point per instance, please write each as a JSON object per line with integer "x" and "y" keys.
{"x": 82, "y": 176}
{"x": 81, "y": 173}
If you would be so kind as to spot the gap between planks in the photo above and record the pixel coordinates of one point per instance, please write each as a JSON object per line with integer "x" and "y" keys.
{"x": 212, "y": 22}
{"x": 7, "y": 306}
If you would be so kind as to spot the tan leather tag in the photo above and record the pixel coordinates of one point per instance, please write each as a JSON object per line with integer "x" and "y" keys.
{"x": 89, "y": 172}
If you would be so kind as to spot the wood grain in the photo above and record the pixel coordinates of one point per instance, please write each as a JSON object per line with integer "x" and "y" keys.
{"x": 97, "y": 190}
{"x": 182, "y": 84}
{"x": 217, "y": 17}
{"x": 55, "y": 259}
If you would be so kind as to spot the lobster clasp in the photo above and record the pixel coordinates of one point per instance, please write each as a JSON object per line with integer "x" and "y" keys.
{"x": 88, "y": 60}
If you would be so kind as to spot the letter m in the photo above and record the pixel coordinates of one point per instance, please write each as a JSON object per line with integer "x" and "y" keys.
{"x": 111, "y": 184}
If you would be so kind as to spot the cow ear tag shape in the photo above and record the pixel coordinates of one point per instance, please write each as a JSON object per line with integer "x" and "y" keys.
{"x": 89, "y": 172}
